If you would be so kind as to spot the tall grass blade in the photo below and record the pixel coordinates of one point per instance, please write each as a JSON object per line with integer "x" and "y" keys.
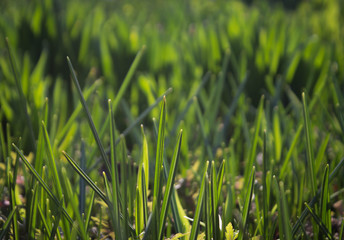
{"x": 197, "y": 217}
{"x": 169, "y": 185}
{"x": 158, "y": 167}
{"x": 219, "y": 179}
{"x": 89, "y": 117}
{"x": 325, "y": 213}
{"x": 86, "y": 178}
{"x": 89, "y": 211}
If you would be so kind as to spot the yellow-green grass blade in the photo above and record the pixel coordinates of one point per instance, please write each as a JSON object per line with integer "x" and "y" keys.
{"x": 208, "y": 211}
{"x": 158, "y": 167}
{"x": 145, "y": 158}
{"x": 318, "y": 221}
{"x": 182, "y": 224}
{"x": 43, "y": 184}
{"x": 22, "y": 98}
{"x": 197, "y": 216}
{"x": 169, "y": 185}
{"x": 247, "y": 203}
{"x": 44, "y": 221}
{"x": 253, "y": 146}
{"x": 142, "y": 187}
{"x": 219, "y": 179}
{"x": 32, "y": 211}
{"x": 89, "y": 117}
{"x": 214, "y": 202}
{"x": 314, "y": 200}
{"x": 277, "y": 135}
{"x": 325, "y": 212}
{"x": 89, "y": 211}
{"x": 310, "y": 158}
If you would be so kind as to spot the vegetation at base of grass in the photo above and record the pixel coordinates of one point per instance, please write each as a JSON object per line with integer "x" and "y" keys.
{"x": 247, "y": 144}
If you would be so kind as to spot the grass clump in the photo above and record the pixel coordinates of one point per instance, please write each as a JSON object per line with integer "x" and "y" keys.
{"x": 219, "y": 160}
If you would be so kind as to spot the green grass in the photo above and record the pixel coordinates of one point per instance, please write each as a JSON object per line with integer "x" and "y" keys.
{"x": 247, "y": 142}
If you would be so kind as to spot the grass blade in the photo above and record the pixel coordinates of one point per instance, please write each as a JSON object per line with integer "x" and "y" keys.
{"x": 40, "y": 180}
{"x": 89, "y": 117}
{"x": 321, "y": 225}
{"x": 325, "y": 213}
{"x": 158, "y": 167}
{"x": 195, "y": 224}
{"x": 169, "y": 185}
{"x": 86, "y": 178}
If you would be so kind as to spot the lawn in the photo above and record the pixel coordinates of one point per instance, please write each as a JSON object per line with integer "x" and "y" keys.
{"x": 171, "y": 119}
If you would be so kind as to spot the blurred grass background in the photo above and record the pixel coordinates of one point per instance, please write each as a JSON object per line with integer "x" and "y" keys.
{"x": 269, "y": 43}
